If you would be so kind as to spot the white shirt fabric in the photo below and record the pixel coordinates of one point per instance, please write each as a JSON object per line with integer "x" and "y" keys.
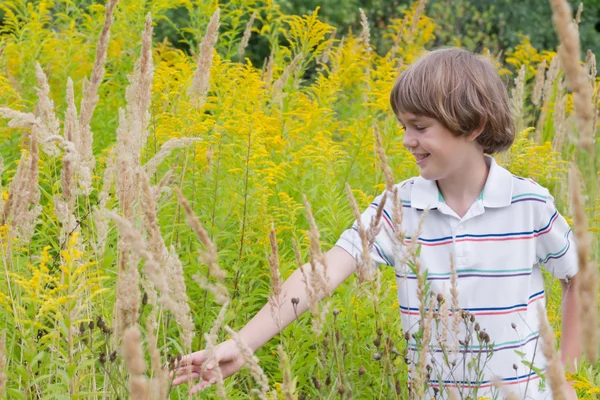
{"x": 498, "y": 247}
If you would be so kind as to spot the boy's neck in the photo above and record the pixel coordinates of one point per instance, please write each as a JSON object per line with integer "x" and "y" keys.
{"x": 461, "y": 189}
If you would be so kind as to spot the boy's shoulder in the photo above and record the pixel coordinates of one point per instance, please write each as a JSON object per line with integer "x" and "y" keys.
{"x": 405, "y": 187}
{"x": 524, "y": 189}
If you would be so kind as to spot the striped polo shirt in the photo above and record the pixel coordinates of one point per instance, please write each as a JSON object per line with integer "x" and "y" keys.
{"x": 499, "y": 245}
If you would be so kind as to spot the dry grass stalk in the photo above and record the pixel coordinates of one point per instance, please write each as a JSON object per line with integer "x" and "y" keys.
{"x": 22, "y": 207}
{"x": 456, "y": 318}
{"x": 201, "y": 80}
{"x": 539, "y": 83}
{"x": 100, "y": 218}
{"x": 127, "y": 303}
{"x": 501, "y": 388}
{"x": 288, "y": 382}
{"x": 71, "y": 135}
{"x": 246, "y": 36}
{"x": 555, "y": 370}
{"x": 517, "y": 97}
{"x": 452, "y": 395}
{"x": 590, "y": 66}
{"x": 252, "y": 363}
{"x": 210, "y": 254}
{"x": 90, "y": 99}
{"x": 211, "y": 342}
{"x": 578, "y": 15}
{"x": 132, "y": 131}
{"x": 385, "y": 167}
{"x": 587, "y": 276}
{"x": 365, "y": 35}
{"x": 133, "y": 354}
{"x": 152, "y": 268}
{"x": 159, "y": 384}
{"x": 560, "y": 127}
{"x": 577, "y": 81}
{"x": 366, "y": 266}
{"x": 3, "y": 376}
{"x": 18, "y": 119}
{"x": 275, "y": 300}
{"x": 318, "y": 276}
{"x": 551, "y": 75}
{"x": 444, "y": 317}
{"x": 418, "y": 11}
{"x": 421, "y": 376}
{"x": 398, "y": 237}
{"x": 49, "y": 124}
{"x": 268, "y": 77}
{"x": 166, "y": 149}
{"x": 320, "y": 280}
{"x": 170, "y": 262}
{"x": 324, "y": 58}
{"x": 282, "y": 80}
{"x": 141, "y": 90}
{"x": 411, "y": 250}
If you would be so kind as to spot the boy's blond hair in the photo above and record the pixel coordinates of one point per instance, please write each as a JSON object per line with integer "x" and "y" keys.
{"x": 462, "y": 91}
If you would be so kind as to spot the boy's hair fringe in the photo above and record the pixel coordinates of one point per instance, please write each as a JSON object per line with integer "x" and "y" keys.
{"x": 462, "y": 91}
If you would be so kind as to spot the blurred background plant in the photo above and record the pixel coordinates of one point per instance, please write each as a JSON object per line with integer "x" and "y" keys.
{"x": 291, "y": 113}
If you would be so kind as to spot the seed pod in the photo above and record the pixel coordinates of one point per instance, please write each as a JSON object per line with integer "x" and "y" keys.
{"x": 377, "y": 342}
{"x": 362, "y": 370}
{"x": 316, "y": 383}
{"x": 407, "y": 336}
{"x": 82, "y": 328}
{"x": 476, "y": 327}
{"x": 91, "y": 325}
{"x": 295, "y": 300}
{"x": 341, "y": 389}
{"x": 377, "y": 356}
{"x": 113, "y": 356}
{"x": 102, "y": 358}
{"x": 328, "y": 380}
{"x": 379, "y": 332}
{"x": 336, "y": 312}
{"x": 513, "y": 325}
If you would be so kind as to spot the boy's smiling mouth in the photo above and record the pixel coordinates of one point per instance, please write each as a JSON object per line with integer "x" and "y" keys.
{"x": 420, "y": 157}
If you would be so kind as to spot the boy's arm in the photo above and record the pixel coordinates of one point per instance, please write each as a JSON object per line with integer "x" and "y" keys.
{"x": 571, "y": 329}
{"x": 262, "y": 327}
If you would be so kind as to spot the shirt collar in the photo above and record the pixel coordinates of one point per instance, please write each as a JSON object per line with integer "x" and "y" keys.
{"x": 497, "y": 191}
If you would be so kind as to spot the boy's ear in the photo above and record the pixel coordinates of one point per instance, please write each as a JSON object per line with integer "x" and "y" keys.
{"x": 478, "y": 131}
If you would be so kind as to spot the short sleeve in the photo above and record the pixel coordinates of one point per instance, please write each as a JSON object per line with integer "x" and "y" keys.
{"x": 555, "y": 244}
{"x": 381, "y": 251}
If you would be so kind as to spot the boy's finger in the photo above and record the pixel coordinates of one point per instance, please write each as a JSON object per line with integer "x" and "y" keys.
{"x": 201, "y": 386}
{"x": 184, "y": 378}
{"x": 184, "y": 370}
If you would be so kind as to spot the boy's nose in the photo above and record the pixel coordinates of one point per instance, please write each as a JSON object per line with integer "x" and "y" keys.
{"x": 409, "y": 141}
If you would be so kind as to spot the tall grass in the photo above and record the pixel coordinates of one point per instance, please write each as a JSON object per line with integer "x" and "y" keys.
{"x": 162, "y": 214}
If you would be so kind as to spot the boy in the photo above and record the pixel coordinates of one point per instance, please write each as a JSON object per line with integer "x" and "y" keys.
{"x": 497, "y": 227}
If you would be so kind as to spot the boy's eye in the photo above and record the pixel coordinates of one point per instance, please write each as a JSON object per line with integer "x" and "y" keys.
{"x": 420, "y": 128}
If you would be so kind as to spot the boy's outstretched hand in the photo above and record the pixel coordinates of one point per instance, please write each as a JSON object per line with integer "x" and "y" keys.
{"x": 228, "y": 356}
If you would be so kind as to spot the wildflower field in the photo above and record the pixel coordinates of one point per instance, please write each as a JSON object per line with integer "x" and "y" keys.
{"x": 153, "y": 201}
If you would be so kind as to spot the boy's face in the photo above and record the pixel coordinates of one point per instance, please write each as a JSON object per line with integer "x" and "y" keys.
{"x": 438, "y": 153}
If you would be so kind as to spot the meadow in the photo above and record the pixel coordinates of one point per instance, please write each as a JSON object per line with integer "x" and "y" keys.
{"x": 153, "y": 201}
